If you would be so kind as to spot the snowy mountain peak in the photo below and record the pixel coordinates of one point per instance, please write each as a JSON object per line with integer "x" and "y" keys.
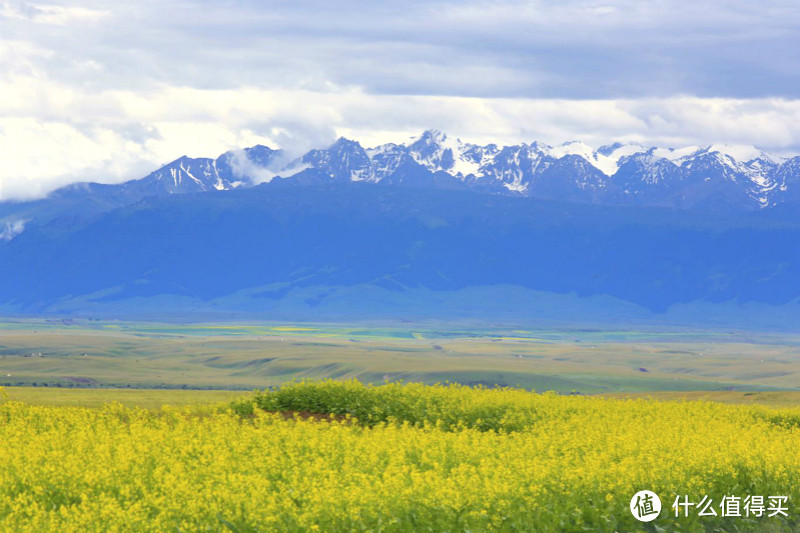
{"x": 744, "y": 177}
{"x": 742, "y": 153}
{"x": 431, "y": 135}
{"x": 344, "y": 142}
{"x": 606, "y": 159}
{"x": 572, "y": 170}
{"x": 436, "y": 151}
{"x": 539, "y": 146}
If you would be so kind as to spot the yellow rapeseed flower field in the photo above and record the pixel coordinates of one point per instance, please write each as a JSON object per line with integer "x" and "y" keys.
{"x": 394, "y": 458}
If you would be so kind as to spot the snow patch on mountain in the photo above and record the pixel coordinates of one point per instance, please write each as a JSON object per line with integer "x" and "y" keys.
{"x": 744, "y": 153}
{"x": 687, "y": 177}
{"x": 437, "y": 152}
{"x": 606, "y": 160}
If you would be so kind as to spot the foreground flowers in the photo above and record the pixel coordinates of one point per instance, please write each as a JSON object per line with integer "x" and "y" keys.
{"x": 416, "y": 458}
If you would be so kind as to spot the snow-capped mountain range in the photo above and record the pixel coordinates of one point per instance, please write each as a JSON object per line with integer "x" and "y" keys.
{"x": 716, "y": 176}
{"x": 708, "y": 233}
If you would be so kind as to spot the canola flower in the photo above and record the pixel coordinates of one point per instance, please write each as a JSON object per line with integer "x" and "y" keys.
{"x": 397, "y": 458}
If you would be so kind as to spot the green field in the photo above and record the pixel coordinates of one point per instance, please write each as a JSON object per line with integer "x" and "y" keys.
{"x": 94, "y": 354}
{"x": 152, "y": 399}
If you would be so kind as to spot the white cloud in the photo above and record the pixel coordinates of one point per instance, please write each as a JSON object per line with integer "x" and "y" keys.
{"x": 11, "y": 229}
{"x": 57, "y": 15}
{"x": 119, "y": 135}
{"x": 513, "y": 48}
{"x": 92, "y": 93}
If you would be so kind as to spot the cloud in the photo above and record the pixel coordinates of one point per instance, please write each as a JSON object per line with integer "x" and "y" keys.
{"x": 11, "y": 229}
{"x": 96, "y": 94}
{"x": 49, "y": 14}
{"x": 133, "y": 134}
{"x": 294, "y": 139}
{"x": 570, "y": 49}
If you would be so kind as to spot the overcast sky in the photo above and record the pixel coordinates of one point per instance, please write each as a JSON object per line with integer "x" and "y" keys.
{"x": 108, "y": 91}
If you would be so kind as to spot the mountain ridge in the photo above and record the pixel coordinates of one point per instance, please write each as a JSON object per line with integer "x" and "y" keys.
{"x": 710, "y": 177}
{"x": 349, "y": 249}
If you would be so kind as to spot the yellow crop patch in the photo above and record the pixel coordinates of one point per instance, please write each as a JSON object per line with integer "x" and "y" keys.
{"x": 458, "y": 459}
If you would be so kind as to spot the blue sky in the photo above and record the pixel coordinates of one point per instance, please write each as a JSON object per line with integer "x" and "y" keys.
{"x": 109, "y": 90}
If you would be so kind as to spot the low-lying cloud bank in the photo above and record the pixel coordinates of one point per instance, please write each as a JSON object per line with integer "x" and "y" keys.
{"x": 93, "y": 93}
{"x": 120, "y": 135}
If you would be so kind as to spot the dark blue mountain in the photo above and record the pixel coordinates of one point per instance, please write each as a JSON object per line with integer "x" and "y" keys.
{"x": 643, "y": 179}
{"x": 184, "y": 175}
{"x": 570, "y": 178}
{"x": 343, "y": 161}
{"x": 434, "y": 227}
{"x": 710, "y": 183}
{"x": 342, "y": 249}
{"x": 698, "y": 178}
{"x": 84, "y": 200}
{"x": 787, "y": 182}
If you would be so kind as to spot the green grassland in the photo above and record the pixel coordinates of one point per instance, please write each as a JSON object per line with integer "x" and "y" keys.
{"x": 78, "y": 354}
{"x": 151, "y": 399}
